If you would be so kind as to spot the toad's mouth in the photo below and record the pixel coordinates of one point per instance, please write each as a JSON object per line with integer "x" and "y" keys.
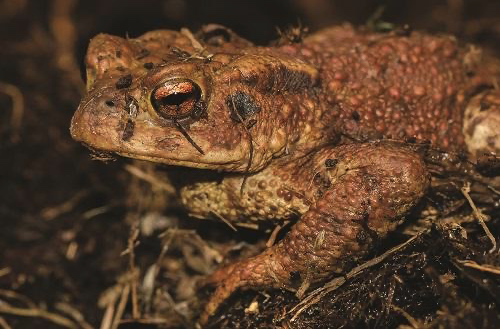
{"x": 175, "y": 162}
{"x": 101, "y": 155}
{"x": 108, "y": 132}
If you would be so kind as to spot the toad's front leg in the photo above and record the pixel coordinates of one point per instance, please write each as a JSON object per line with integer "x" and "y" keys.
{"x": 368, "y": 189}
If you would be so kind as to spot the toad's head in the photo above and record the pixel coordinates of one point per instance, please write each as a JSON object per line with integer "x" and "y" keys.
{"x": 207, "y": 101}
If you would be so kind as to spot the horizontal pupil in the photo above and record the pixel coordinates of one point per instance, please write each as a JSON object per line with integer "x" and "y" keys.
{"x": 176, "y": 99}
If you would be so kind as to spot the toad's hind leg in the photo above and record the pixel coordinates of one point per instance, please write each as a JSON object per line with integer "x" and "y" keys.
{"x": 372, "y": 187}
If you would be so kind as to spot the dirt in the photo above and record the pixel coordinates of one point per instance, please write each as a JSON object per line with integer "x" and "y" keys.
{"x": 87, "y": 244}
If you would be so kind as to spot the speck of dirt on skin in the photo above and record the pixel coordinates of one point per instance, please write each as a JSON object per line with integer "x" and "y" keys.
{"x": 330, "y": 163}
{"x": 124, "y": 82}
{"x": 128, "y": 132}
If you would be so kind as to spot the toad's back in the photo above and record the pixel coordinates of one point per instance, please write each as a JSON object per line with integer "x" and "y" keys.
{"x": 399, "y": 86}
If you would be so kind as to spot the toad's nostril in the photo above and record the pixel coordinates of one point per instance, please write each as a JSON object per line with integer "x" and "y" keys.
{"x": 176, "y": 99}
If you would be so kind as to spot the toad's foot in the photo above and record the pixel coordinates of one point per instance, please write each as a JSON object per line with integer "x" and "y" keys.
{"x": 372, "y": 187}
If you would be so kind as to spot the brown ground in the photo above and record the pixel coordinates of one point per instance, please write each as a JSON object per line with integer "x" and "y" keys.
{"x": 67, "y": 221}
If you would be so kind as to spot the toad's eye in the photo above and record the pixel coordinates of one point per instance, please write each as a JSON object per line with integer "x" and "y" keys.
{"x": 176, "y": 99}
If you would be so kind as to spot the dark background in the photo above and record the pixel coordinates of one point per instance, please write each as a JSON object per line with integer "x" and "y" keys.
{"x": 53, "y": 251}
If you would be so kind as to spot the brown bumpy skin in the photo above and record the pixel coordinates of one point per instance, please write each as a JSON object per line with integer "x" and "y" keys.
{"x": 295, "y": 127}
{"x": 374, "y": 185}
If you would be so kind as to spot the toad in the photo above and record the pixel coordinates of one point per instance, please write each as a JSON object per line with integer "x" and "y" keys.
{"x": 299, "y": 131}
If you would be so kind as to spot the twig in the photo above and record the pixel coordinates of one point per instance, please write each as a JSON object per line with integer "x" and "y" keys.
{"x": 484, "y": 268}
{"x": 17, "y": 108}
{"x": 139, "y": 173}
{"x": 4, "y": 324}
{"x": 74, "y": 313}
{"x": 51, "y": 213}
{"x": 316, "y": 295}
{"x": 17, "y": 296}
{"x": 251, "y": 226}
{"x": 250, "y": 138}
{"x": 91, "y": 213}
{"x": 38, "y": 313}
{"x": 225, "y": 221}
{"x": 146, "y": 321}
{"x": 274, "y": 233}
{"x": 134, "y": 233}
{"x": 388, "y": 302}
{"x": 121, "y": 306}
{"x": 107, "y": 318}
{"x": 4, "y": 271}
{"x": 195, "y": 43}
{"x": 479, "y": 216}
{"x": 494, "y": 190}
{"x": 414, "y": 323}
